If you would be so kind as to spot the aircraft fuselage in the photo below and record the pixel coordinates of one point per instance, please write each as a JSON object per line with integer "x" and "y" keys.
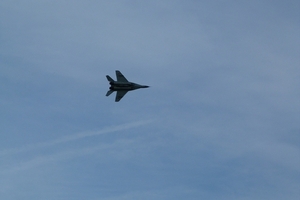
{"x": 125, "y": 86}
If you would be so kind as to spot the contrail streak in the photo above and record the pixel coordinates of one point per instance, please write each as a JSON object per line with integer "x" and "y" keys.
{"x": 74, "y": 137}
{"x": 40, "y": 160}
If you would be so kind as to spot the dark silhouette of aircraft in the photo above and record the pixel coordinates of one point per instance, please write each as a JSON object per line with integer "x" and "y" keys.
{"x": 122, "y": 86}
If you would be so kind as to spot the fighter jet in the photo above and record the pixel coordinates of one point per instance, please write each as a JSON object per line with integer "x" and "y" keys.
{"x": 122, "y": 86}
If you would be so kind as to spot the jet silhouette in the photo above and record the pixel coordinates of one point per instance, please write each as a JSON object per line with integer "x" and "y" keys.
{"x": 122, "y": 86}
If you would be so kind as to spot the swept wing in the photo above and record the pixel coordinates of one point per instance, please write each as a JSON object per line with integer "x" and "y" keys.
{"x": 120, "y": 94}
{"x": 120, "y": 77}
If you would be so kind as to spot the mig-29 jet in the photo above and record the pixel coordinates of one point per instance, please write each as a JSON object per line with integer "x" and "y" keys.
{"x": 122, "y": 86}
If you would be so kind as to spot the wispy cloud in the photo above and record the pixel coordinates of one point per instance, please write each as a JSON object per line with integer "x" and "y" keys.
{"x": 77, "y": 136}
{"x": 40, "y": 160}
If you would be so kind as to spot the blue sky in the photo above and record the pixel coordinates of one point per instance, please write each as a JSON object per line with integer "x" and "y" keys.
{"x": 220, "y": 120}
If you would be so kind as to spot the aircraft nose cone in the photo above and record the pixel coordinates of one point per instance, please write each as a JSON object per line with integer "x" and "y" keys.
{"x": 146, "y": 86}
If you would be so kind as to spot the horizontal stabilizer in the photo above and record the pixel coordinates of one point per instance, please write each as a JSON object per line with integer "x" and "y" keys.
{"x": 109, "y": 92}
{"x": 109, "y": 79}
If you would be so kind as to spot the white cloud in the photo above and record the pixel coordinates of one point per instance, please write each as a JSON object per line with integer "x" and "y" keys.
{"x": 77, "y": 136}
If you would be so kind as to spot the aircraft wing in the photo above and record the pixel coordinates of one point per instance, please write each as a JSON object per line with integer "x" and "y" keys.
{"x": 120, "y": 94}
{"x": 120, "y": 77}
